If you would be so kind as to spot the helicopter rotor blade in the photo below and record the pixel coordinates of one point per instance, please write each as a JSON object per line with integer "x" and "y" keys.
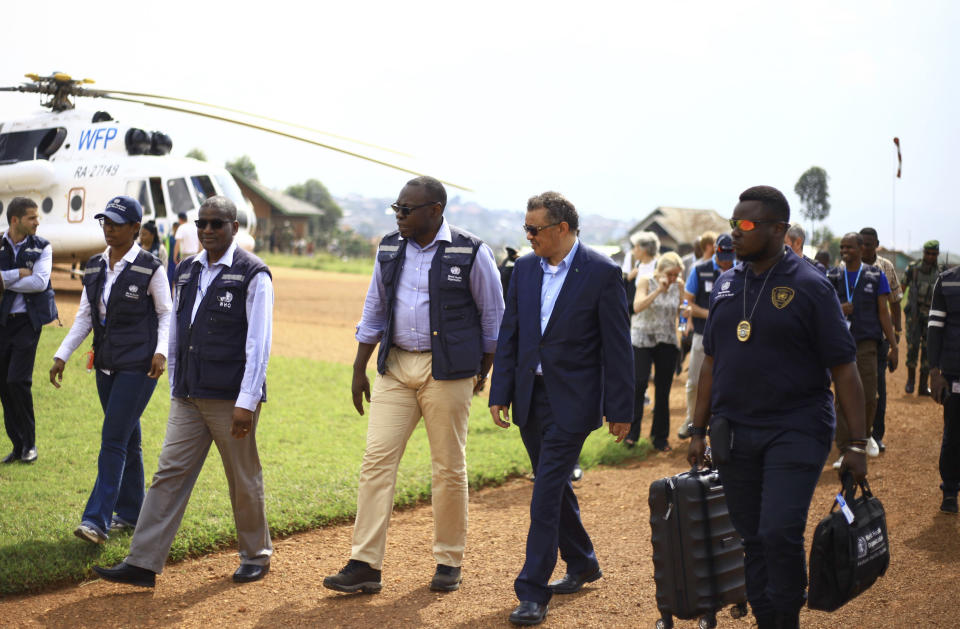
{"x": 253, "y": 115}
{"x": 276, "y": 132}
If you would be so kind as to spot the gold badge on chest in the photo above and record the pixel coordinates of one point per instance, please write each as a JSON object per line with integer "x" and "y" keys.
{"x": 781, "y": 296}
{"x": 743, "y": 331}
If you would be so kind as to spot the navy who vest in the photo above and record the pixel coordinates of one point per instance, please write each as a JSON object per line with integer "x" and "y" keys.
{"x": 864, "y": 322}
{"x": 211, "y": 352}
{"x": 127, "y": 339}
{"x": 706, "y": 276}
{"x": 456, "y": 339}
{"x": 41, "y": 307}
{"x": 949, "y": 320}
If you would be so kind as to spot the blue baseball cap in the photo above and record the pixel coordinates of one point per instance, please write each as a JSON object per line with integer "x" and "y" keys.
{"x": 122, "y": 209}
{"x": 725, "y": 248}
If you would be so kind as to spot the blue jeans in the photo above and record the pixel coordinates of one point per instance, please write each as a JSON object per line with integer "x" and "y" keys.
{"x": 554, "y": 513}
{"x": 119, "y": 487}
{"x": 769, "y": 483}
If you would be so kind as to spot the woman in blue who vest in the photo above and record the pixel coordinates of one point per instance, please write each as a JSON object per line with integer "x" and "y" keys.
{"x": 126, "y": 302}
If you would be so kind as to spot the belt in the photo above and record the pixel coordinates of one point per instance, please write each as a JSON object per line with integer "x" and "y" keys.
{"x": 14, "y": 315}
{"x": 416, "y": 351}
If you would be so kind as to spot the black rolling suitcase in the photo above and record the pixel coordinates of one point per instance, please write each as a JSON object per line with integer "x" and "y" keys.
{"x": 697, "y": 554}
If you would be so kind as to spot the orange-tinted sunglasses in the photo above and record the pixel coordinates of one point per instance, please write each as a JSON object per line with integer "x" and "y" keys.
{"x": 747, "y": 225}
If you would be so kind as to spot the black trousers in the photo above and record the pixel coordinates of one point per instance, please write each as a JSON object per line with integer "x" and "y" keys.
{"x": 18, "y": 349}
{"x": 950, "y": 447}
{"x": 879, "y": 428}
{"x": 663, "y": 359}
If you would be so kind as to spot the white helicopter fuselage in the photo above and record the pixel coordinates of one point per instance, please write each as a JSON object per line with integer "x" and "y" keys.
{"x": 72, "y": 166}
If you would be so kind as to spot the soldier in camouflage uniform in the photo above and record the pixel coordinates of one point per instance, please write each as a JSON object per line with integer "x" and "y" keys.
{"x": 920, "y": 277}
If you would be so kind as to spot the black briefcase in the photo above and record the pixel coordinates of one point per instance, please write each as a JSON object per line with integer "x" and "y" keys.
{"x": 847, "y": 557}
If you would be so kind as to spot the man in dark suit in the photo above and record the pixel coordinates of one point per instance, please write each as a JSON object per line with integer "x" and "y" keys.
{"x": 564, "y": 362}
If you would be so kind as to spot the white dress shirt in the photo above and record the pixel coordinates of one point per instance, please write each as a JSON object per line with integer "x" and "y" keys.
{"x": 259, "y": 308}
{"x": 36, "y": 282}
{"x": 83, "y": 323}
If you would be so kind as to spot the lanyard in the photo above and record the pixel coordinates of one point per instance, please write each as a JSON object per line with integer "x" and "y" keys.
{"x": 846, "y": 282}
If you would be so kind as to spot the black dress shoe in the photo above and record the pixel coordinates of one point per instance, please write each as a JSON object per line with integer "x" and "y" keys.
{"x": 125, "y": 573}
{"x": 445, "y": 579}
{"x": 571, "y": 583}
{"x": 13, "y": 457}
{"x": 529, "y": 613}
{"x": 248, "y": 572}
{"x": 29, "y": 456}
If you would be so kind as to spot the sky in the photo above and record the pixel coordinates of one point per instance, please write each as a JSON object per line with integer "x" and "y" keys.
{"x": 620, "y": 106}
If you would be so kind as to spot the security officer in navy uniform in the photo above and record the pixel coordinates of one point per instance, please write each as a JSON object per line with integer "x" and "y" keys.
{"x": 774, "y": 335}
{"x": 943, "y": 346}
{"x": 26, "y": 306}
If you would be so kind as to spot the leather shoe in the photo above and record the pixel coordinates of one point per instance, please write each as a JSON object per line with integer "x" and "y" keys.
{"x": 29, "y": 456}
{"x": 13, "y": 457}
{"x": 248, "y": 572}
{"x": 571, "y": 583}
{"x": 529, "y": 613}
{"x": 445, "y": 579}
{"x": 125, "y": 573}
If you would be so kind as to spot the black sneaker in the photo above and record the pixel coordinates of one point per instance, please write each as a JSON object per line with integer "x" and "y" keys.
{"x": 949, "y": 504}
{"x": 446, "y": 579}
{"x": 356, "y": 576}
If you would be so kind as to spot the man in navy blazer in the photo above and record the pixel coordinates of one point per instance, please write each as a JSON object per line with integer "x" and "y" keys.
{"x": 564, "y": 362}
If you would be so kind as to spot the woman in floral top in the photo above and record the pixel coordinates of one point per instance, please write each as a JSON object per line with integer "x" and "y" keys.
{"x": 653, "y": 332}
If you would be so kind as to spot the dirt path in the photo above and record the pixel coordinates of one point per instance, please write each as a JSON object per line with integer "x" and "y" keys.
{"x": 920, "y": 589}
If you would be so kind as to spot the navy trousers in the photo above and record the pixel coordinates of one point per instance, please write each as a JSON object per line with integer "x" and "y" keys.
{"x": 950, "y": 446}
{"x": 554, "y": 512}
{"x": 769, "y": 483}
{"x": 18, "y": 349}
{"x": 119, "y": 487}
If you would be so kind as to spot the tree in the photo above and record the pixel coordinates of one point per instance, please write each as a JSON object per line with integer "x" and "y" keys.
{"x": 813, "y": 193}
{"x": 323, "y": 227}
{"x": 197, "y": 154}
{"x": 244, "y": 167}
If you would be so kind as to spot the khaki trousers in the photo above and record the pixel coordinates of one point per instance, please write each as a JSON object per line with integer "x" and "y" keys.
{"x": 867, "y": 367}
{"x": 195, "y": 423}
{"x": 693, "y": 374}
{"x": 406, "y": 392}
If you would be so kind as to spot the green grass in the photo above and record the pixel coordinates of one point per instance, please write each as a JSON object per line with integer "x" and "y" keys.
{"x": 310, "y": 440}
{"x": 319, "y": 262}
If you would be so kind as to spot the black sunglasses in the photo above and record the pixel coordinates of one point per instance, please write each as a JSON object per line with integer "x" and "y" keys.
{"x": 404, "y": 210}
{"x": 533, "y": 230}
{"x": 215, "y": 223}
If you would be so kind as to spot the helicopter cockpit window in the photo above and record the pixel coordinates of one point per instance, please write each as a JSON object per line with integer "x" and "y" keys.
{"x": 181, "y": 200}
{"x": 203, "y": 187}
{"x": 141, "y": 192}
{"x": 22, "y": 146}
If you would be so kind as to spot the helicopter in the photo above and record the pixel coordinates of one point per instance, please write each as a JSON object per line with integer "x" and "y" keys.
{"x": 72, "y": 161}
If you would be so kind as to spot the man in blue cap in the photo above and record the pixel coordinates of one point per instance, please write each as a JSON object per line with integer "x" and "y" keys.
{"x": 699, "y": 286}
{"x": 26, "y": 306}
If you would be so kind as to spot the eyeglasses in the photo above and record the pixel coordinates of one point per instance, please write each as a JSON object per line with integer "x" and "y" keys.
{"x": 404, "y": 210}
{"x": 533, "y": 230}
{"x": 214, "y": 223}
{"x": 747, "y": 225}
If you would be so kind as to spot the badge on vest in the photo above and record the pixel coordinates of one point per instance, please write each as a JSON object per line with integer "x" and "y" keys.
{"x": 868, "y": 288}
{"x": 781, "y": 296}
{"x": 133, "y": 292}
{"x": 707, "y": 287}
{"x": 225, "y": 301}
{"x": 28, "y": 264}
{"x": 454, "y": 275}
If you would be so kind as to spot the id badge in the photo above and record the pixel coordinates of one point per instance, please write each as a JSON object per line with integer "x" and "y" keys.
{"x": 955, "y": 387}
{"x": 847, "y": 513}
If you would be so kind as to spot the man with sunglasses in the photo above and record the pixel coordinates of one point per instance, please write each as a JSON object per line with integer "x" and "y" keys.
{"x": 774, "y": 335}
{"x": 26, "y": 306}
{"x": 434, "y": 305}
{"x": 219, "y": 345}
{"x": 564, "y": 362}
